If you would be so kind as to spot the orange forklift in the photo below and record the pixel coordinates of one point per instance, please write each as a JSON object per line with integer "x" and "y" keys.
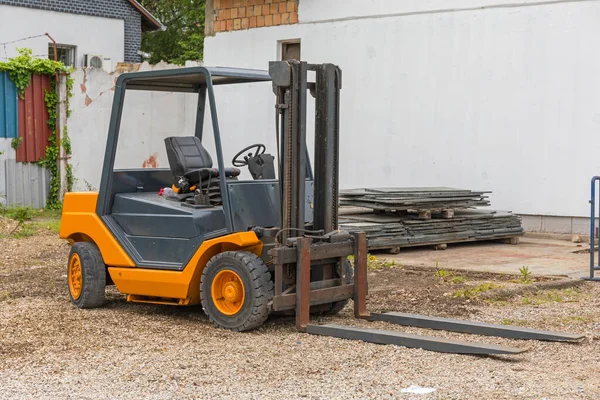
{"x": 243, "y": 249}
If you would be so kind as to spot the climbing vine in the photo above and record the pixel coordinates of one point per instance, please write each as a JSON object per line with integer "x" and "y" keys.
{"x": 66, "y": 145}
{"x": 20, "y": 69}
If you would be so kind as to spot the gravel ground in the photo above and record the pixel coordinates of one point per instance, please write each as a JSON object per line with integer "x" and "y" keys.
{"x": 51, "y": 350}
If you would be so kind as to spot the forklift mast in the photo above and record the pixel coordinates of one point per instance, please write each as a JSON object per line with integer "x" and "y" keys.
{"x": 290, "y": 84}
{"x": 314, "y": 254}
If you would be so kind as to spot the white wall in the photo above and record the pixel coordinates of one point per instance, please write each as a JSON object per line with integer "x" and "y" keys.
{"x": 91, "y": 35}
{"x": 502, "y": 99}
{"x": 318, "y": 11}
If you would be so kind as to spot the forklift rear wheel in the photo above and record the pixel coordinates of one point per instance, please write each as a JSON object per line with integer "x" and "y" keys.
{"x": 86, "y": 275}
{"x": 235, "y": 290}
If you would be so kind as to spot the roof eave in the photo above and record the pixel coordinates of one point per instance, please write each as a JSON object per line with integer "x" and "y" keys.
{"x": 149, "y": 21}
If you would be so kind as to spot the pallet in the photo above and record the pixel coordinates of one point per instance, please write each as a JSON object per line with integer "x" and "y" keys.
{"x": 395, "y": 248}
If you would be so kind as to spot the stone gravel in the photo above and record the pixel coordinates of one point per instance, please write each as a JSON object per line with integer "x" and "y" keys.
{"x": 51, "y": 350}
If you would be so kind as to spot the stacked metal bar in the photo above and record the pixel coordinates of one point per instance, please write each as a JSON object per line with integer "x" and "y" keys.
{"x": 390, "y": 217}
{"x": 413, "y": 198}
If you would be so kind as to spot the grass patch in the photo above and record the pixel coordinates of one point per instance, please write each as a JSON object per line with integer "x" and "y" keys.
{"x": 552, "y": 296}
{"x": 473, "y": 292}
{"x": 31, "y": 221}
{"x": 46, "y": 213}
{"x": 448, "y": 276}
{"x": 18, "y": 213}
{"x": 514, "y": 322}
{"x": 573, "y": 319}
{"x": 29, "y": 229}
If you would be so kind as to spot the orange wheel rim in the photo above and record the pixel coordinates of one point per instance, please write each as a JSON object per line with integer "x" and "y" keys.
{"x": 75, "y": 276}
{"x": 228, "y": 292}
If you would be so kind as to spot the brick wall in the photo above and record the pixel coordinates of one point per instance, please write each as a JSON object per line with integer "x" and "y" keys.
{"x": 233, "y": 15}
{"x": 120, "y": 9}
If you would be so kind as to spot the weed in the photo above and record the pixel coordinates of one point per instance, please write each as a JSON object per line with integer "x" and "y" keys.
{"x": 525, "y": 274}
{"x": 458, "y": 279}
{"x": 18, "y": 213}
{"x": 89, "y": 187}
{"x": 442, "y": 273}
{"x": 472, "y": 292}
{"x": 391, "y": 264}
{"x": 372, "y": 262}
{"x": 16, "y": 143}
{"x": 515, "y": 322}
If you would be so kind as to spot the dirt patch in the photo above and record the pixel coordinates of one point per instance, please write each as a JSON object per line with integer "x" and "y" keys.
{"x": 7, "y": 226}
{"x": 443, "y": 291}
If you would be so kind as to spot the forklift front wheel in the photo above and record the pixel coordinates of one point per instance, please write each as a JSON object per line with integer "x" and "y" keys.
{"x": 86, "y": 275}
{"x": 235, "y": 290}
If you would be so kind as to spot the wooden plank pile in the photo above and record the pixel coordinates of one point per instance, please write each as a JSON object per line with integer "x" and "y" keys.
{"x": 403, "y": 217}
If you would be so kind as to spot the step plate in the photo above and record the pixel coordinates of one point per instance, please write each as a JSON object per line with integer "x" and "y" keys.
{"x": 408, "y": 340}
{"x": 477, "y": 328}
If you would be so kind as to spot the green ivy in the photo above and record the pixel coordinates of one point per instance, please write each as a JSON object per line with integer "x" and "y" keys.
{"x": 70, "y": 177}
{"x": 52, "y": 149}
{"x": 70, "y": 81}
{"x": 15, "y": 143}
{"x": 66, "y": 141}
{"x": 66, "y": 145}
{"x": 20, "y": 69}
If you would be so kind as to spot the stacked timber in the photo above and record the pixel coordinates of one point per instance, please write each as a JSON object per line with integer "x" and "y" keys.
{"x": 403, "y": 217}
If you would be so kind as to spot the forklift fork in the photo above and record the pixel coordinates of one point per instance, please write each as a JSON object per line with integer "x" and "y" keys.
{"x": 412, "y": 320}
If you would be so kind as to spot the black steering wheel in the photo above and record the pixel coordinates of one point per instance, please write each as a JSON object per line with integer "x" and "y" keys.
{"x": 260, "y": 149}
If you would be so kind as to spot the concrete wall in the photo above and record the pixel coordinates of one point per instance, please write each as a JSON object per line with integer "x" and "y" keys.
{"x": 445, "y": 93}
{"x": 91, "y": 35}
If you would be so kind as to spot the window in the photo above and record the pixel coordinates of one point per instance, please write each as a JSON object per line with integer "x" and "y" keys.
{"x": 290, "y": 50}
{"x": 65, "y": 53}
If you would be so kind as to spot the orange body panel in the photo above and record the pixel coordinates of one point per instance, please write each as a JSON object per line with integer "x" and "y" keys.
{"x": 181, "y": 284}
{"x": 80, "y": 223}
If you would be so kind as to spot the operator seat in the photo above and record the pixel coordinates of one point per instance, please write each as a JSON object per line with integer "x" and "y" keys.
{"x": 189, "y": 159}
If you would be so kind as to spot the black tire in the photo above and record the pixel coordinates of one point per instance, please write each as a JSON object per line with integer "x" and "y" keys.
{"x": 338, "y": 306}
{"x": 257, "y": 285}
{"x": 93, "y": 275}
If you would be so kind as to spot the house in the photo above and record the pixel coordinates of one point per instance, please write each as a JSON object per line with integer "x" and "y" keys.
{"x": 497, "y": 95}
{"x": 110, "y": 29}
{"x": 96, "y": 34}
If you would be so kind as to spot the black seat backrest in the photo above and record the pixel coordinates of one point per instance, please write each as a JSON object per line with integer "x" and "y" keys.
{"x": 185, "y": 154}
